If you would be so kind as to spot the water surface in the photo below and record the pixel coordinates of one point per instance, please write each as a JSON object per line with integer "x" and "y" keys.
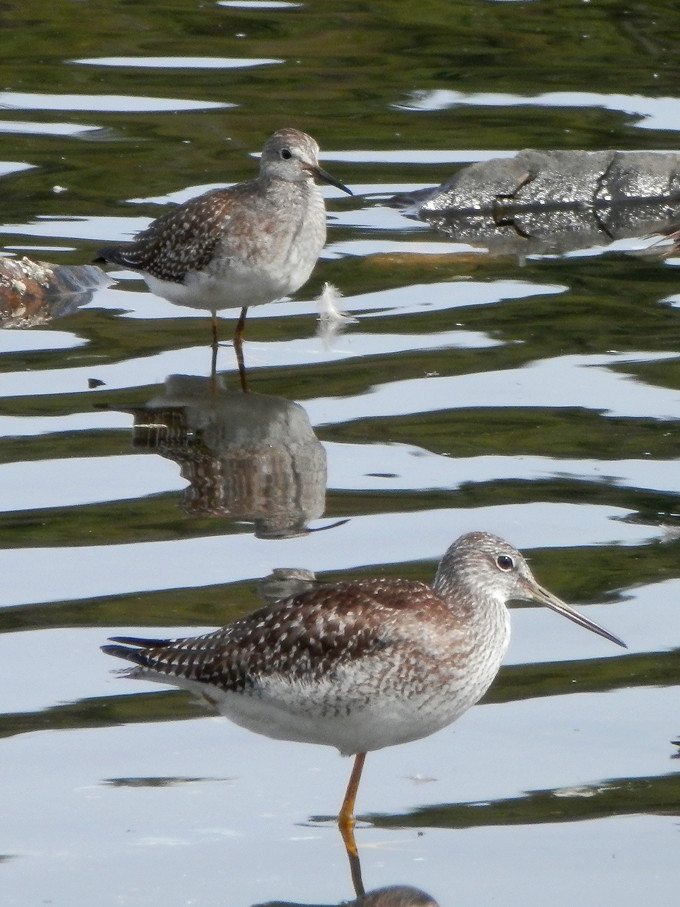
{"x": 535, "y": 397}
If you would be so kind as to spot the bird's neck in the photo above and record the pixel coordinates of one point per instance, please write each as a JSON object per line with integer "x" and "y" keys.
{"x": 481, "y": 610}
{"x": 274, "y": 187}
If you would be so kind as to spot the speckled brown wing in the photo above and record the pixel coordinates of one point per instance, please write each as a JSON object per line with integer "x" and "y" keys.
{"x": 183, "y": 239}
{"x": 303, "y": 638}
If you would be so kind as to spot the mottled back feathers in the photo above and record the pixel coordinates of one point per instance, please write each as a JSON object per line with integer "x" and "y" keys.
{"x": 303, "y": 638}
{"x": 182, "y": 240}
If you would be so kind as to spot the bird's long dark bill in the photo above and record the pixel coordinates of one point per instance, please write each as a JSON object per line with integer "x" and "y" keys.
{"x": 539, "y": 594}
{"x": 327, "y": 178}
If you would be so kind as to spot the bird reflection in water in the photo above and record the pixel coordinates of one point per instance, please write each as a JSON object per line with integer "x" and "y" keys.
{"x": 247, "y": 457}
{"x": 392, "y": 896}
{"x": 395, "y": 896}
{"x": 284, "y": 582}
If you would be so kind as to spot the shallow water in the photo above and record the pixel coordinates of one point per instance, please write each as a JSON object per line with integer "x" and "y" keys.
{"x": 535, "y": 397}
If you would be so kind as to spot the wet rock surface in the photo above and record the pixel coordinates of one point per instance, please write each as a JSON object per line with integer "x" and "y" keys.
{"x": 551, "y": 202}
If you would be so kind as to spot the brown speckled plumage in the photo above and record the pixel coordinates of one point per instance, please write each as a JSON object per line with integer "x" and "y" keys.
{"x": 247, "y": 245}
{"x": 183, "y": 239}
{"x": 359, "y": 665}
{"x": 241, "y": 246}
{"x": 303, "y": 638}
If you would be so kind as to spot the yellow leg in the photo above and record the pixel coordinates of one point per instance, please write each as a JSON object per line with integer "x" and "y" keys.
{"x": 238, "y": 347}
{"x": 346, "y": 817}
{"x": 346, "y": 823}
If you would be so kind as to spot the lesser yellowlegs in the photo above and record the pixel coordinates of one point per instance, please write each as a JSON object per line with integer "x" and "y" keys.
{"x": 243, "y": 246}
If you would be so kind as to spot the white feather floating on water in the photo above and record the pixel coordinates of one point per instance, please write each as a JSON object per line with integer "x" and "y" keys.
{"x": 331, "y": 319}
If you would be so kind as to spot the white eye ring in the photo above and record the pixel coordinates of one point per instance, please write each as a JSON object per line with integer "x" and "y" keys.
{"x": 286, "y": 154}
{"x": 504, "y": 562}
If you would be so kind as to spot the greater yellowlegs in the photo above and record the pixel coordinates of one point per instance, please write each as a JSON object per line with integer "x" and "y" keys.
{"x": 363, "y": 664}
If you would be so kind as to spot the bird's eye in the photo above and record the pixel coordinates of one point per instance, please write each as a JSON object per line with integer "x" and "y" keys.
{"x": 505, "y": 562}
{"x": 286, "y": 154}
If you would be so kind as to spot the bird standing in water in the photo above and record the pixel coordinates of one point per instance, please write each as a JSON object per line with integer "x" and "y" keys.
{"x": 243, "y": 246}
{"x": 363, "y": 664}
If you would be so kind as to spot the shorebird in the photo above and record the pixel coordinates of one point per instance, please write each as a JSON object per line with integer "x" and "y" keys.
{"x": 246, "y": 245}
{"x": 670, "y": 232}
{"x": 363, "y": 664}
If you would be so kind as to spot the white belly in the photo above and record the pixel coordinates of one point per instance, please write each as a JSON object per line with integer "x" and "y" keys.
{"x": 354, "y": 724}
